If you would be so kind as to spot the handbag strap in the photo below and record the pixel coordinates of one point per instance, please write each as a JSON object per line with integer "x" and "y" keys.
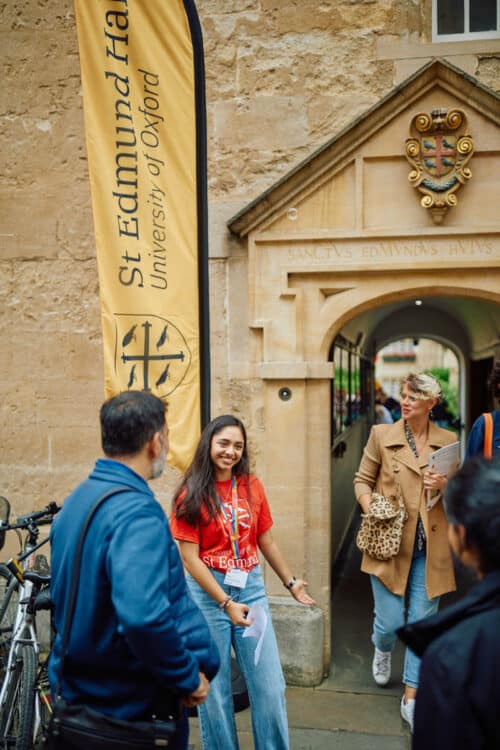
{"x": 75, "y": 575}
{"x": 488, "y": 435}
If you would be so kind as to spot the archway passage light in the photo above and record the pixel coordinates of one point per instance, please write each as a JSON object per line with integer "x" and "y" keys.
{"x": 418, "y": 302}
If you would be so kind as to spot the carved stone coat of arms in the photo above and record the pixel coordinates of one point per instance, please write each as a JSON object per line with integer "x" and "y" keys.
{"x": 438, "y": 149}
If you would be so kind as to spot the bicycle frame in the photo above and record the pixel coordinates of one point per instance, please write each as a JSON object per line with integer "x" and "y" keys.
{"x": 24, "y": 649}
{"x": 24, "y": 634}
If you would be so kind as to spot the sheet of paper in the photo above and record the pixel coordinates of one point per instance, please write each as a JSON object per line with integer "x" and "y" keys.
{"x": 257, "y": 629}
{"x": 446, "y": 460}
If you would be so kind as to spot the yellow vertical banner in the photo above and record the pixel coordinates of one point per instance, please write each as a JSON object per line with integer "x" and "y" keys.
{"x": 143, "y": 88}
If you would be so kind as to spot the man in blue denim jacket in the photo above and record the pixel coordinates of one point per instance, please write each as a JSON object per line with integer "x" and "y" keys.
{"x": 138, "y": 645}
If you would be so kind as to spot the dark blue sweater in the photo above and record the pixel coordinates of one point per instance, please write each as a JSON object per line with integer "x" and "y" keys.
{"x": 475, "y": 441}
{"x": 136, "y": 634}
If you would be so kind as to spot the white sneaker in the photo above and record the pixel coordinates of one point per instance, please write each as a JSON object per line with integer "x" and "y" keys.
{"x": 408, "y": 711}
{"x": 381, "y": 666}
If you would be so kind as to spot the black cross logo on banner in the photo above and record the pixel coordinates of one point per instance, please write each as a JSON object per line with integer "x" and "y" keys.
{"x": 147, "y": 357}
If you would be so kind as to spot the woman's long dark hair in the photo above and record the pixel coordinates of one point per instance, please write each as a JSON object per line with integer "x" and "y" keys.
{"x": 472, "y": 498}
{"x": 199, "y": 480}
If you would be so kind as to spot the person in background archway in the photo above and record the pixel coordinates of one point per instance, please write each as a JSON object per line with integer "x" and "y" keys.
{"x": 444, "y": 417}
{"x": 221, "y": 518}
{"x": 382, "y": 415}
{"x": 390, "y": 403}
{"x": 459, "y": 696}
{"x": 476, "y": 440}
{"x": 394, "y": 462}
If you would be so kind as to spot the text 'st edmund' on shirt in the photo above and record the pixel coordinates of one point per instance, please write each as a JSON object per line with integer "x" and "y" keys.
{"x": 214, "y": 536}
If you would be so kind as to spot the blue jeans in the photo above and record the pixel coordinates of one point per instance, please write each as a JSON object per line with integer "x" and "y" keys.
{"x": 265, "y": 682}
{"x": 390, "y": 614}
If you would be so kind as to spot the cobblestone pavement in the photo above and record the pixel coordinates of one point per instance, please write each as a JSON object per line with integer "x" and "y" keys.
{"x": 323, "y": 719}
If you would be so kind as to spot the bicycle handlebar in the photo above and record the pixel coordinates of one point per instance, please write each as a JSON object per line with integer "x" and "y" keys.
{"x": 50, "y": 510}
{"x": 38, "y": 518}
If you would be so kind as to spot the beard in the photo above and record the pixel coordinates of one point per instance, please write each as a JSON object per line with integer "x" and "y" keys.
{"x": 158, "y": 465}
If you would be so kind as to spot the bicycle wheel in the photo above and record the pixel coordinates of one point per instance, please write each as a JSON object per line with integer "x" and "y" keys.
{"x": 9, "y": 596}
{"x": 43, "y": 704}
{"x": 20, "y": 705}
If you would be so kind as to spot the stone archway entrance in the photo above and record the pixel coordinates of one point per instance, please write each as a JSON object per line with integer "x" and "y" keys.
{"x": 457, "y": 322}
{"x": 340, "y": 239}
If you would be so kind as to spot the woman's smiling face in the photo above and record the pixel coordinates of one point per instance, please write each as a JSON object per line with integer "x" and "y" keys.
{"x": 413, "y": 406}
{"x": 226, "y": 450}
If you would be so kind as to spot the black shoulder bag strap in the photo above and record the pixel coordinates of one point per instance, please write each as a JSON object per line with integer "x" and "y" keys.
{"x": 73, "y": 589}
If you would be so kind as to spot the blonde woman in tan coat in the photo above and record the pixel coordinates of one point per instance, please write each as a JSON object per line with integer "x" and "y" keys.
{"x": 407, "y": 587}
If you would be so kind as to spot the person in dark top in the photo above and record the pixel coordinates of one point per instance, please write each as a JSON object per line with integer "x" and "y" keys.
{"x": 444, "y": 417}
{"x": 458, "y": 703}
{"x": 138, "y": 645}
{"x": 390, "y": 403}
{"x": 475, "y": 441}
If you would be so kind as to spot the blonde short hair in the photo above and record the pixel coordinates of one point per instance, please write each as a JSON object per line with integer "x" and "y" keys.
{"x": 423, "y": 385}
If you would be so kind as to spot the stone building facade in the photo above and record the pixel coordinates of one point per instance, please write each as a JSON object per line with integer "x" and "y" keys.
{"x": 314, "y": 231}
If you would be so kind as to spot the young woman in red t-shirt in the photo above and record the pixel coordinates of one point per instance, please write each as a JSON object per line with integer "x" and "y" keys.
{"x": 221, "y": 519}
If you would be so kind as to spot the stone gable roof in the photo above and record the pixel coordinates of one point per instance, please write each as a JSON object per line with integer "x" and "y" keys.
{"x": 436, "y": 73}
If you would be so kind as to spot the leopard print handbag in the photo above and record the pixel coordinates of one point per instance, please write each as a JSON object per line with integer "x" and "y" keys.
{"x": 381, "y": 528}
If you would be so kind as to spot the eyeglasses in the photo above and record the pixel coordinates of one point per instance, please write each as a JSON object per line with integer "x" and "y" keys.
{"x": 411, "y": 399}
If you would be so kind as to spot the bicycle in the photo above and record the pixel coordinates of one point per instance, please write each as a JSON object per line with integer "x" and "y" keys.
{"x": 24, "y": 695}
{"x": 8, "y": 589}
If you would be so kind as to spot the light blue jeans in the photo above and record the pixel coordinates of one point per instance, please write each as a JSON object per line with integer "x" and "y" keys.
{"x": 390, "y": 614}
{"x": 265, "y": 682}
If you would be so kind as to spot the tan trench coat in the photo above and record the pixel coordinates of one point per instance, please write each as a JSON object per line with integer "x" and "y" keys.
{"x": 386, "y": 448}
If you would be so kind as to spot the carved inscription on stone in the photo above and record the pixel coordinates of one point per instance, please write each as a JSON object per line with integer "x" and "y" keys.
{"x": 400, "y": 252}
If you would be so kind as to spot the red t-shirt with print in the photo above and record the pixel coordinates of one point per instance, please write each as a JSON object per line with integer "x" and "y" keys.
{"x": 213, "y": 538}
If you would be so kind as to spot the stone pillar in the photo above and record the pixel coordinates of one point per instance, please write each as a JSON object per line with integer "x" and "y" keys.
{"x": 295, "y": 467}
{"x": 300, "y": 633}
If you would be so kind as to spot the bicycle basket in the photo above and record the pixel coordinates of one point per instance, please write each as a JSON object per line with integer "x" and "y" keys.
{"x": 4, "y": 516}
